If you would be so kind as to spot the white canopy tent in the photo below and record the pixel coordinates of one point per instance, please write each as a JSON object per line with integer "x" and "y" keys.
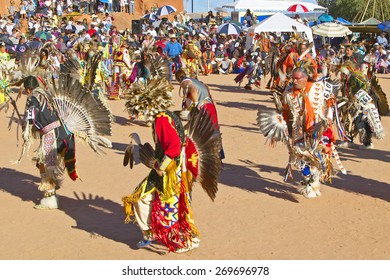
{"x": 272, "y": 5}
{"x": 278, "y": 23}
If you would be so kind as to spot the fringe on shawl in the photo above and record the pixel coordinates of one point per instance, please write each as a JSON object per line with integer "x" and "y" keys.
{"x": 178, "y": 235}
{"x": 129, "y": 201}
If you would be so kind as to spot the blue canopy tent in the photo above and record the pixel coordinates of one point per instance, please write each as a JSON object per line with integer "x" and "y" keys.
{"x": 312, "y": 23}
{"x": 325, "y": 18}
{"x": 385, "y": 26}
{"x": 343, "y": 21}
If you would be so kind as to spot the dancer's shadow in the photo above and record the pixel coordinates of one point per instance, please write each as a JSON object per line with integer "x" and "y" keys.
{"x": 247, "y": 179}
{"x": 98, "y": 216}
{"x": 350, "y": 182}
{"x": 250, "y": 129}
{"x": 357, "y": 155}
{"x": 242, "y": 105}
{"x": 227, "y": 88}
{"x": 237, "y": 88}
{"x": 122, "y": 120}
{"x": 120, "y": 147}
{"x": 127, "y": 122}
{"x": 361, "y": 185}
{"x": 19, "y": 184}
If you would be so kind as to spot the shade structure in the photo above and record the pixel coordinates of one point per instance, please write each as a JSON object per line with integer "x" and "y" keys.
{"x": 370, "y": 21}
{"x": 229, "y": 29}
{"x": 271, "y": 5}
{"x": 278, "y": 23}
{"x": 221, "y": 10}
{"x": 151, "y": 17}
{"x": 298, "y": 8}
{"x": 165, "y": 10}
{"x": 331, "y": 29}
{"x": 325, "y": 18}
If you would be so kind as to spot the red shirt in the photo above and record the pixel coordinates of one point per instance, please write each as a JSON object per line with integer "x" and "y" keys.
{"x": 167, "y": 135}
{"x": 91, "y": 31}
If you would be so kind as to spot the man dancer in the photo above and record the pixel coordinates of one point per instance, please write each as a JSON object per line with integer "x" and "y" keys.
{"x": 57, "y": 145}
{"x": 310, "y": 136}
{"x": 197, "y": 95}
{"x": 161, "y": 203}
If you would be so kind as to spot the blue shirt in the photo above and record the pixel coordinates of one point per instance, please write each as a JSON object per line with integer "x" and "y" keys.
{"x": 381, "y": 40}
{"x": 173, "y": 49}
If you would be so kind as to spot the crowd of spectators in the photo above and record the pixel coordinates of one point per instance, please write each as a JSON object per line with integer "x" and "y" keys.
{"x": 216, "y": 53}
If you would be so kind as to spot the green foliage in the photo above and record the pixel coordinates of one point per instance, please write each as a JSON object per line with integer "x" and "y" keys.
{"x": 354, "y": 9}
{"x": 347, "y": 9}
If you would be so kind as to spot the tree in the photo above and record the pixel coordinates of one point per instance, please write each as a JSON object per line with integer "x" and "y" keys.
{"x": 357, "y": 10}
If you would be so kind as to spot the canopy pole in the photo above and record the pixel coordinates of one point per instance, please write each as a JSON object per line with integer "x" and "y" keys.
{"x": 365, "y": 10}
{"x": 383, "y": 16}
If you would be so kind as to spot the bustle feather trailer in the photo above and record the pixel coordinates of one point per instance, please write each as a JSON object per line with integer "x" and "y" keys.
{"x": 82, "y": 113}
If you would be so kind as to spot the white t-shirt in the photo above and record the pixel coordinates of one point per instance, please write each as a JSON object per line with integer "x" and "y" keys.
{"x": 152, "y": 32}
{"x": 225, "y": 64}
{"x": 9, "y": 28}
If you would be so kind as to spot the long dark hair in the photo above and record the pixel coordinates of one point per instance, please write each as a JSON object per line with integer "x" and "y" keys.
{"x": 31, "y": 82}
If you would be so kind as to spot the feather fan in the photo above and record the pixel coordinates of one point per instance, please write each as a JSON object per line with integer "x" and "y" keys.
{"x": 272, "y": 125}
{"x": 138, "y": 152}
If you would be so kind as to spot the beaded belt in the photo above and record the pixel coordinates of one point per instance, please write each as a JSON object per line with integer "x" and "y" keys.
{"x": 50, "y": 127}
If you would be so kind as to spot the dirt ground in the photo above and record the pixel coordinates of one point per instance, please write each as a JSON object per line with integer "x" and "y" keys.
{"x": 255, "y": 215}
